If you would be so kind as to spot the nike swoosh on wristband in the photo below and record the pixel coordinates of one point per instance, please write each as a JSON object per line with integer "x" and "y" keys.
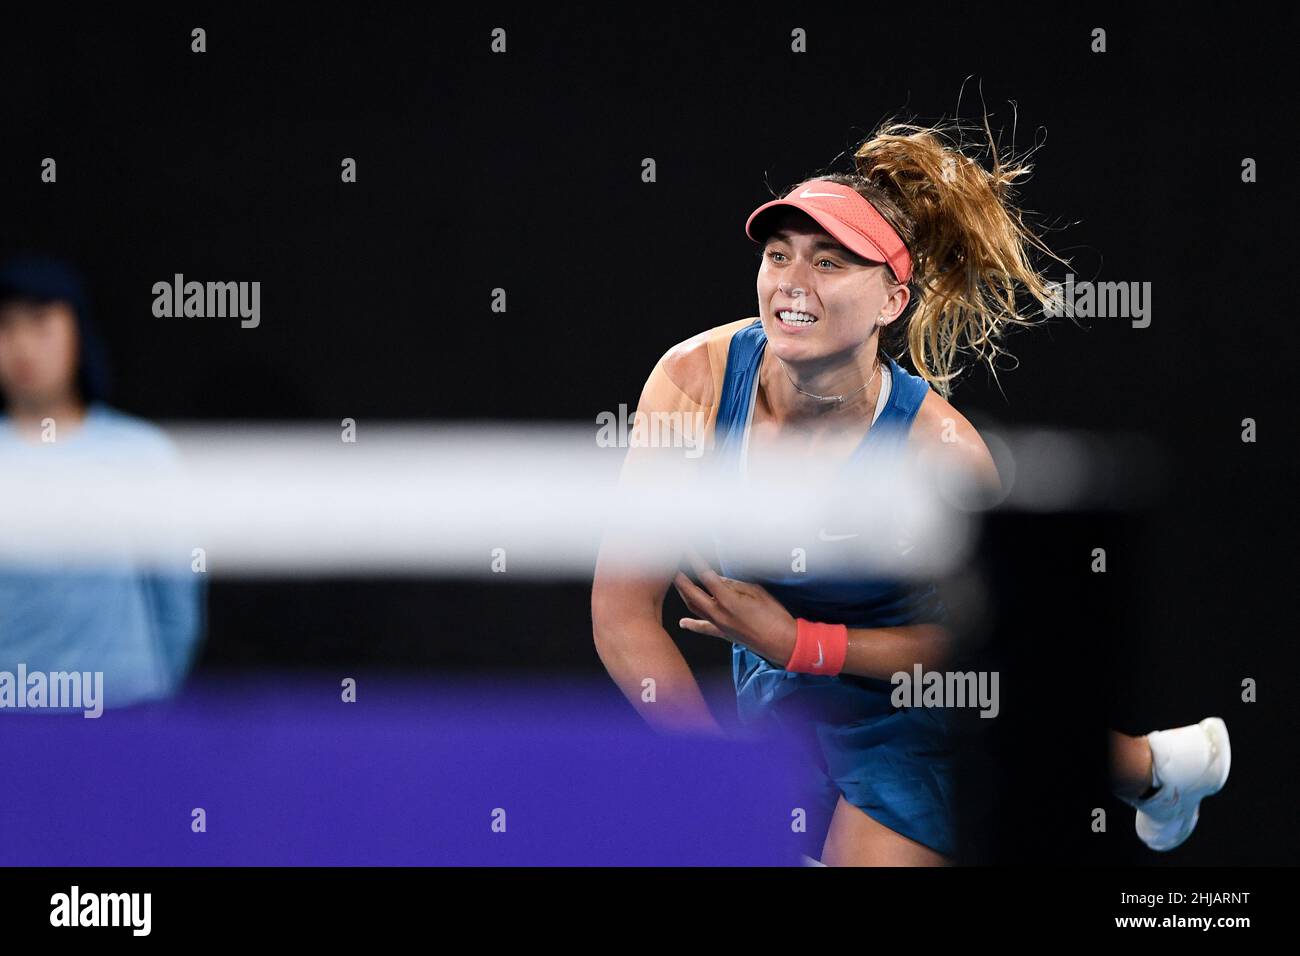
{"x": 821, "y": 658}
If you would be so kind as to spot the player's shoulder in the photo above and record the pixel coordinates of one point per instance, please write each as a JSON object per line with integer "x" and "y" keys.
{"x": 939, "y": 426}
{"x": 115, "y": 426}
{"x": 695, "y": 364}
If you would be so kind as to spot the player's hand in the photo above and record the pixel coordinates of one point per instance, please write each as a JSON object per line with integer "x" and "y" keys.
{"x": 737, "y": 611}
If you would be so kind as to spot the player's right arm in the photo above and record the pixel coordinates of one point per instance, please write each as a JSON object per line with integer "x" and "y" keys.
{"x": 627, "y": 606}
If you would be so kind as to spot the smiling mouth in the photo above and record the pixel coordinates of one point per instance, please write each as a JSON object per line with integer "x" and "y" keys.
{"x": 796, "y": 320}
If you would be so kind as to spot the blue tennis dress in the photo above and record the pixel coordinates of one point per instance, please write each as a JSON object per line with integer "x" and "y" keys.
{"x": 895, "y": 764}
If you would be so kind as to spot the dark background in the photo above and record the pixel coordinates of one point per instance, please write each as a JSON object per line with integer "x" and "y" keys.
{"x": 522, "y": 171}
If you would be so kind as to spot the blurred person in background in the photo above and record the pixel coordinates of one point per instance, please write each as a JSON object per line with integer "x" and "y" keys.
{"x": 139, "y": 626}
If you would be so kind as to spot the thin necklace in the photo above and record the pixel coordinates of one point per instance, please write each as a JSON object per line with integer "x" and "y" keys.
{"x": 830, "y": 398}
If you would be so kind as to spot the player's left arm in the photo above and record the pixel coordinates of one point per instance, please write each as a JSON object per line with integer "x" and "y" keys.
{"x": 944, "y": 439}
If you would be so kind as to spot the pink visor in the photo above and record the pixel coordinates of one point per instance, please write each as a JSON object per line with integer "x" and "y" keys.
{"x": 850, "y": 219}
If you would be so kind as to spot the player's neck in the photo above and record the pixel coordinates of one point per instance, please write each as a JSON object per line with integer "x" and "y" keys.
{"x": 31, "y": 417}
{"x": 784, "y": 403}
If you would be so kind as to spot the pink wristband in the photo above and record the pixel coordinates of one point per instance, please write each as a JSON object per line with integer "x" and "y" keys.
{"x": 819, "y": 648}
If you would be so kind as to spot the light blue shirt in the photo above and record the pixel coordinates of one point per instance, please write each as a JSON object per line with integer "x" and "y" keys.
{"x": 140, "y": 626}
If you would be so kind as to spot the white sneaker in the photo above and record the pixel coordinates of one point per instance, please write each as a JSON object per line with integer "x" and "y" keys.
{"x": 1191, "y": 762}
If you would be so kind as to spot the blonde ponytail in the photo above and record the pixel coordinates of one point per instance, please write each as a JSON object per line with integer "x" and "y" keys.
{"x": 968, "y": 241}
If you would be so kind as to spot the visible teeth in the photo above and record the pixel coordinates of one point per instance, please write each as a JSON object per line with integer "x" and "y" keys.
{"x": 796, "y": 318}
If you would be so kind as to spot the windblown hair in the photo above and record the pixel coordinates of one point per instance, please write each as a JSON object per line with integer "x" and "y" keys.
{"x": 968, "y": 242}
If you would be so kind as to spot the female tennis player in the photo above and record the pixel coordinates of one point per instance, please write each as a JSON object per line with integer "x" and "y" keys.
{"x": 920, "y": 248}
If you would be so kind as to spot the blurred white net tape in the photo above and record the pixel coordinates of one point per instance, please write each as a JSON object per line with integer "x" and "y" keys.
{"x": 467, "y": 500}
